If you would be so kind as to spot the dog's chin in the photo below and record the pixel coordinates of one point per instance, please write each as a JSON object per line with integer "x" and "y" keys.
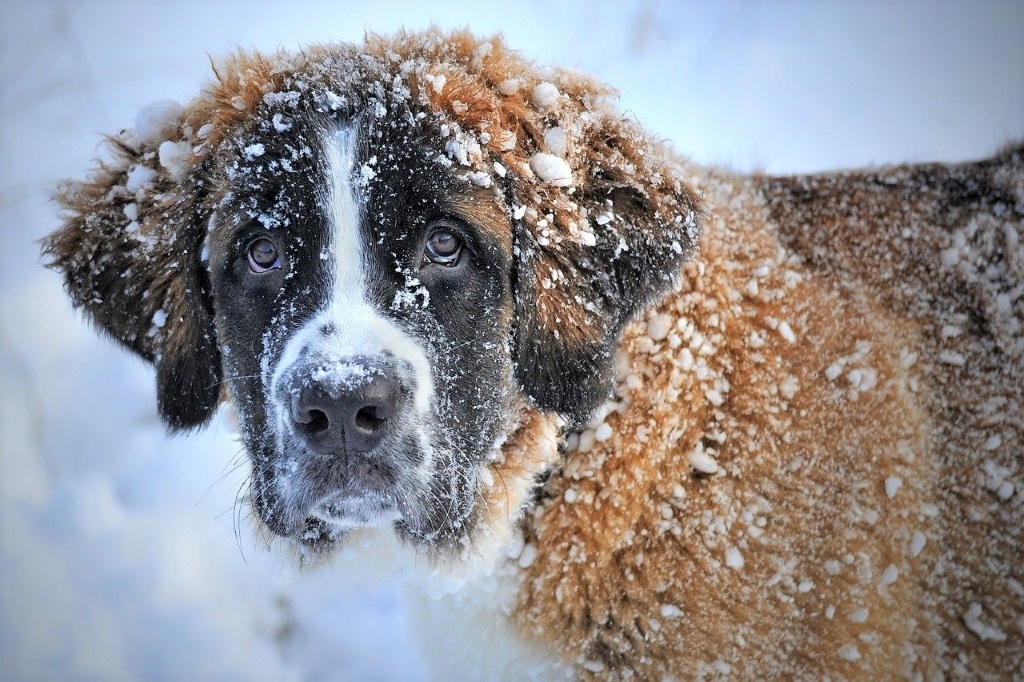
{"x": 321, "y": 528}
{"x": 348, "y": 510}
{"x": 331, "y": 517}
{"x": 325, "y": 527}
{"x": 325, "y": 532}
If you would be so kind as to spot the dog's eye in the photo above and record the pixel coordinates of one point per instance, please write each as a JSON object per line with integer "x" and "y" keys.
{"x": 263, "y": 256}
{"x": 443, "y": 247}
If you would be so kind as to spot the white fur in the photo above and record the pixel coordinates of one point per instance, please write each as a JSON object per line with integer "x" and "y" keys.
{"x": 453, "y": 624}
{"x": 358, "y": 330}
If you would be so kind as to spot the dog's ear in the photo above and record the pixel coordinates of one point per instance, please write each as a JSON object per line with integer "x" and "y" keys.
{"x": 603, "y": 217}
{"x": 575, "y": 295}
{"x": 130, "y": 251}
{"x": 603, "y": 222}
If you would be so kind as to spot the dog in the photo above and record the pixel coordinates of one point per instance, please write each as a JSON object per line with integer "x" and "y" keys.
{"x": 704, "y": 424}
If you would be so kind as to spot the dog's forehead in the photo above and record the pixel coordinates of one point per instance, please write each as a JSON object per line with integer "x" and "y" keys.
{"x": 280, "y": 171}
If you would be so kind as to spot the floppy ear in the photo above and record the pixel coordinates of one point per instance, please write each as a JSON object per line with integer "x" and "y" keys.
{"x": 602, "y": 229}
{"x": 130, "y": 253}
{"x": 574, "y": 296}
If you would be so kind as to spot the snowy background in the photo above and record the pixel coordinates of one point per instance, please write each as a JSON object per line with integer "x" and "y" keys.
{"x": 118, "y": 557}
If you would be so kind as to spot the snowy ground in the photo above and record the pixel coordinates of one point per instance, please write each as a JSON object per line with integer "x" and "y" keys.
{"x": 118, "y": 557}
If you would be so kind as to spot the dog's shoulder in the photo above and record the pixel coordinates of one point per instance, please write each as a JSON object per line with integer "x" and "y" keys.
{"x": 797, "y": 434}
{"x": 924, "y": 237}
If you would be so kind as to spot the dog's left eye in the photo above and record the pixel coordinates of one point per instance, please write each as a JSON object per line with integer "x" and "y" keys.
{"x": 262, "y": 255}
{"x": 443, "y": 247}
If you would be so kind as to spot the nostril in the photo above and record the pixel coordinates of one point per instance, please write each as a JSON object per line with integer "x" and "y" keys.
{"x": 369, "y": 418}
{"x": 318, "y": 421}
{"x": 315, "y": 422}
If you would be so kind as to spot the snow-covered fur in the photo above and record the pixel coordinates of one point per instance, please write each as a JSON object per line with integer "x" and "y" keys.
{"x": 793, "y": 450}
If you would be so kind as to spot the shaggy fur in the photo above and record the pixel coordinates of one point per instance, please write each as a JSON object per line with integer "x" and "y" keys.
{"x": 811, "y": 460}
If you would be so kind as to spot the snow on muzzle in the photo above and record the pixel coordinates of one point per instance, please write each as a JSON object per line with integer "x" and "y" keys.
{"x": 345, "y": 408}
{"x": 349, "y": 449}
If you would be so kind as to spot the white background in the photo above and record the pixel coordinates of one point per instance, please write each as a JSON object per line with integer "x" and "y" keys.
{"x": 118, "y": 556}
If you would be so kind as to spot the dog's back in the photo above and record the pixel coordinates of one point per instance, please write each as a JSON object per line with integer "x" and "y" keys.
{"x": 815, "y": 462}
{"x": 940, "y": 249}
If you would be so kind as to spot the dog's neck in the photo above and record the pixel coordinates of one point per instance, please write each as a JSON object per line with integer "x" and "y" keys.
{"x": 517, "y": 465}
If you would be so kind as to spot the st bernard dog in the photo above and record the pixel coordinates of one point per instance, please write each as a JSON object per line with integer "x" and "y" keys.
{"x": 705, "y": 424}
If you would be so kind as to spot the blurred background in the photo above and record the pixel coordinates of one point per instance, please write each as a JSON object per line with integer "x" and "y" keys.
{"x": 118, "y": 552}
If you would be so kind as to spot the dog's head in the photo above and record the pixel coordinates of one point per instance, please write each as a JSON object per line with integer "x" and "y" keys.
{"x": 383, "y": 252}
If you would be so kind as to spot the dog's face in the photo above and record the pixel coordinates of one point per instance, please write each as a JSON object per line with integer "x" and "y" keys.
{"x": 362, "y": 298}
{"x": 383, "y": 252}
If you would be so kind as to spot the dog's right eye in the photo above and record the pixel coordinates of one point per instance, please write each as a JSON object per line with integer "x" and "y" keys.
{"x": 443, "y": 248}
{"x": 262, "y": 256}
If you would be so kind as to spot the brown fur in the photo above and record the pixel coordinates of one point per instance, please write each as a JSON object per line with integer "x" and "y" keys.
{"x": 842, "y": 360}
{"x": 852, "y": 259}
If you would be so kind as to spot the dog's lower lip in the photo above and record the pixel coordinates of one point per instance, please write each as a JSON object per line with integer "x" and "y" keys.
{"x": 348, "y": 498}
{"x": 357, "y": 507}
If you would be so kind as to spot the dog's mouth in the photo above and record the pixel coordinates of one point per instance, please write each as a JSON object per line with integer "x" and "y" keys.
{"x": 426, "y": 514}
{"x": 348, "y": 509}
{"x": 342, "y": 492}
{"x": 322, "y": 528}
{"x": 310, "y": 499}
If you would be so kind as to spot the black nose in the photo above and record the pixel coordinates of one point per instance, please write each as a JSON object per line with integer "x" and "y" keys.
{"x": 353, "y": 412}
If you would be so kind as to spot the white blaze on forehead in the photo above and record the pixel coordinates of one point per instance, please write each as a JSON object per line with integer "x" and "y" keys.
{"x": 357, "y": 325}
{"x": 344, "y": 210}
{"x": 356, "y": 328}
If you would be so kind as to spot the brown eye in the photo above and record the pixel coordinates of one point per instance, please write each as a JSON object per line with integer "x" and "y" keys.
{"x": 263, "y": 256}
{"x": 443, "y": 248}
